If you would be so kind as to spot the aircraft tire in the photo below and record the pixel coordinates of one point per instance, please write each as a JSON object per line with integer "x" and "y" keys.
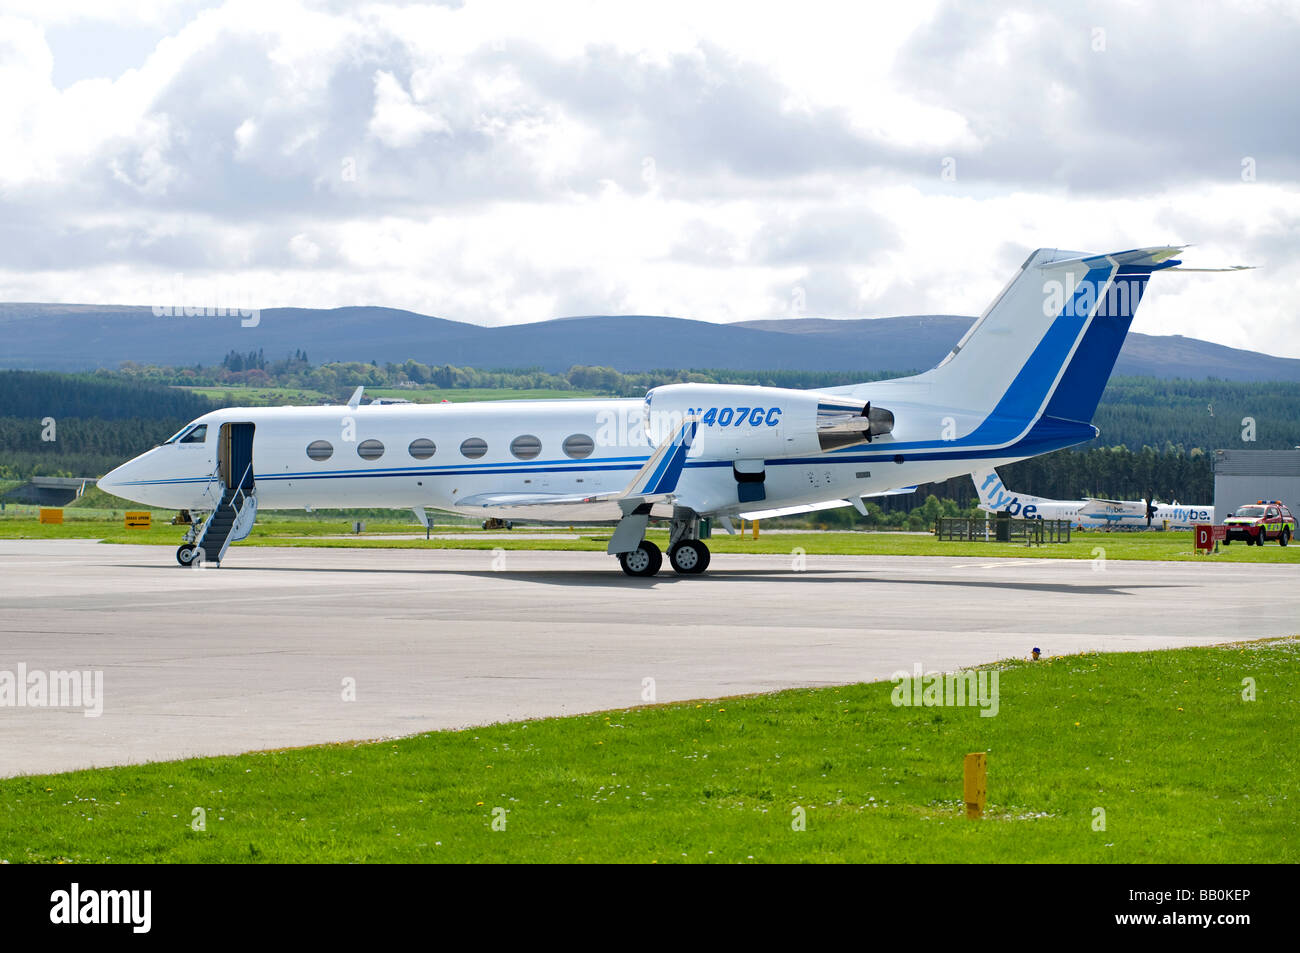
{"x": 185, "y": 554}
{"x": 645, "y": 560}
{"x": 690, "y": 557}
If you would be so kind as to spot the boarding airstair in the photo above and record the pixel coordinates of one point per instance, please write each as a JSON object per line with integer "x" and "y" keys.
{"x": 232, "y": 491}
{"x": 231, "y": 520}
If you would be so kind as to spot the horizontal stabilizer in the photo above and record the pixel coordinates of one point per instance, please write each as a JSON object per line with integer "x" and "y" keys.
{"x": 1155, "y": 257}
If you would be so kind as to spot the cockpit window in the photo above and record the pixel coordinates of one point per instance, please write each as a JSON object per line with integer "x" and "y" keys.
{"x": 189, "y": 434}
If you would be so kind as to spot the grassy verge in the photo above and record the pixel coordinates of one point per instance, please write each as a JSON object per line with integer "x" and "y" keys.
{"x": 260, "y": 396}
{"x": 457, "y": 394}
{"x": 289, "y": 530}
{"x": 305, "y": 396}
{"x": 1181, "y": 766}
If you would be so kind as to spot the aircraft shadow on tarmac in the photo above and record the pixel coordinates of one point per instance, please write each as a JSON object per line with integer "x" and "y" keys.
{"x": 602, "y": 578}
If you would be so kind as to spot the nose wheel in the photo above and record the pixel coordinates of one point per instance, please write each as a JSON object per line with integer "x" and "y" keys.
{"x": 186, "y": 554}
{"x": 690, "y": 557}
{"x": 645, "y": 560}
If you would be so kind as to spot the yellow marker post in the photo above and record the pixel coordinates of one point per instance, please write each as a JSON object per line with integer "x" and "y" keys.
{"x": 976, "y": 791}
{"x": 51, "y": 516}
{"x": 138, "y": 519}
{"x": 756, "y": 529}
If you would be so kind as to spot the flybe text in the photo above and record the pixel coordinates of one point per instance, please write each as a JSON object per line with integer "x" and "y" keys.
{"x": 1001, "y": 501}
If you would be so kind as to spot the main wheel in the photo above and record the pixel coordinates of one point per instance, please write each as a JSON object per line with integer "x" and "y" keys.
{"x": 645, "y": 560}
{"x": 1285, "y": 536}
{"x": 690, "y": 557}
{"x": 185, "y": 554}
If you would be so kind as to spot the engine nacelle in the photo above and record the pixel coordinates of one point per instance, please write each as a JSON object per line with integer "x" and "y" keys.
{"x": 755, "y": 423}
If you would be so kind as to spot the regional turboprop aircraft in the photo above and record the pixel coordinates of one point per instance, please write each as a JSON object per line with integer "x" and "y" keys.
{"x": 1024, "y": 380}
{"x": 1092, "y": 511}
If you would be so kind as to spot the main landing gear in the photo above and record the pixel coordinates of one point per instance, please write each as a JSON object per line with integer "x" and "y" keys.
{"x": 690, "y": 557}
{"x": 687, "y": 554}
{"x": 645, "y": 560}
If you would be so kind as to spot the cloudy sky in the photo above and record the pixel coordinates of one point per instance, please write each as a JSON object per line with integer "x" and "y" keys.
{"x": 508, "y": 162}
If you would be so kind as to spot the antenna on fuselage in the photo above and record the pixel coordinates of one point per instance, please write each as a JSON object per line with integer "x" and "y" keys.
{"x": 355, "y": 400}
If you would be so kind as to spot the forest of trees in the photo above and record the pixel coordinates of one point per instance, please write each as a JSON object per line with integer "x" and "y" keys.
{"x": 1136, "y": 412}
{"x": 1157, "y": 436}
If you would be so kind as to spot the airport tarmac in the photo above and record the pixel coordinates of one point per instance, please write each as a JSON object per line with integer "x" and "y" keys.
{"x": 258, "y": 654}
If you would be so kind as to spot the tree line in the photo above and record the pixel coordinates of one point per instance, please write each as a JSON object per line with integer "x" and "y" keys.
{"x": 1157, "y": 437}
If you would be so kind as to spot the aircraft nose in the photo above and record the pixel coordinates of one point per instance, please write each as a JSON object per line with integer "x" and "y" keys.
{"x": 113, "y": 481}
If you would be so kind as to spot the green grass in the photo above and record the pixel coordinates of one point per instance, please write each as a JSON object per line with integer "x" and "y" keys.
{"x": 290, "y": 529}
{"x": 261, "y": 396}
{"x": 1183, "y": 767}
{"x": 465, "y": 394}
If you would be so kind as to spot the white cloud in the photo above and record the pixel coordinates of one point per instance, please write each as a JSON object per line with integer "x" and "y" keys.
{"x": 507, "y": 162}
{"x": 304, "y": 249}
{"x": 397, "y": 121}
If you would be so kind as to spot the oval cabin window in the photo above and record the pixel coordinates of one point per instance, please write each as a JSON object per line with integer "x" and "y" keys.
{"x": 370, "y": 450}
{"x": 422, "y": 449}
{"x": 473, "y": 447}
{"x": 525, "y": 446}
{"x": 579, "y": 446}
{"x": 320, "y": 450}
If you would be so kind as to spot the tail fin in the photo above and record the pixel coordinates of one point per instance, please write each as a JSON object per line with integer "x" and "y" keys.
{"x": 989, "y": 488}
{"x": 1048, "y": 343}
{"x": 994, "y": 495}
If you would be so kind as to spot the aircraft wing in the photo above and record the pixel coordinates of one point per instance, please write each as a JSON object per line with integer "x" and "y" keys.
{"x": 655, "y": 481}
{"x": 814, "y": 507}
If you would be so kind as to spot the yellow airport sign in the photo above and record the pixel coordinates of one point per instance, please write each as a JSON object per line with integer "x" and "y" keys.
{"x": 138, "y": 519}
{"x": 51, "y": 515}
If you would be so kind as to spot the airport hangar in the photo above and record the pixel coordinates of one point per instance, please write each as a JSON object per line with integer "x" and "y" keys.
{"x": 1247, "y": 476}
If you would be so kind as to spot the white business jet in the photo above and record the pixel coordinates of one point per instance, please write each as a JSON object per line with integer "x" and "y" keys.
{"x": 1024, "y": 380}
{"x": 1091, "y": 511}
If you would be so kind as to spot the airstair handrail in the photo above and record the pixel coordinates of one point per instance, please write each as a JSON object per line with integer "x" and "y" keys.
{"x": 239, "y": 489}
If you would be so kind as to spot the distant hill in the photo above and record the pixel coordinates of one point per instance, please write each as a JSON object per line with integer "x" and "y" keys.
{"x": 83, "y": 337}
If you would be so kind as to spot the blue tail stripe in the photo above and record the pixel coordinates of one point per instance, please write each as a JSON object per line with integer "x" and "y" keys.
{"x": 1023, "y": 399}
{"x": 1081, "y": 387}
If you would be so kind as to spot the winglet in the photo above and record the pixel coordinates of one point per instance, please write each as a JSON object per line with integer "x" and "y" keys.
{"x": 661, "y": 472}
{"x": 355, "y": 400}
